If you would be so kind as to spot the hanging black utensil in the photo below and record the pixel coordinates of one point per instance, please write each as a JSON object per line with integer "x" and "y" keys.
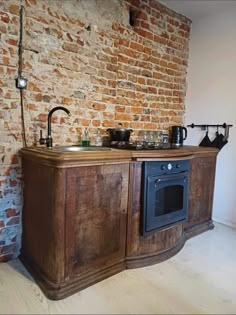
{"x": 219, "y": 140}
{"x": 206, "y": 142}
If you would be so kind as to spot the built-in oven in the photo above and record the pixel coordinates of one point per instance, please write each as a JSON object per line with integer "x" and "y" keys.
{"x": 164, "y": 194}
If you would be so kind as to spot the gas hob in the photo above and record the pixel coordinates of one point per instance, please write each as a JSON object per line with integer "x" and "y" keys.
{"x": 140, "y": 145}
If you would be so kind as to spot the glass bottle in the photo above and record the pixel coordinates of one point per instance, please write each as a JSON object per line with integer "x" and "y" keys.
{"x": 98, "y": 139}
{"x": 85, "y": 139}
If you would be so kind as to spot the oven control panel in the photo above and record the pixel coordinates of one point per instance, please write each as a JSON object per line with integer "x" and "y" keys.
{"x": 163, "y": 167}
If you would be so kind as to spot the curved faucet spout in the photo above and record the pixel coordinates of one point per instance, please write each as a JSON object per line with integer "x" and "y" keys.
{"x": 49, "y": 137}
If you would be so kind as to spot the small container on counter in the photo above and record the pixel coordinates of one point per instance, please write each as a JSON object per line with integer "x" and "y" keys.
{"x": 85, "y": 138}
{"x": 165, "y": 137}
{"x": 98, "y": 139}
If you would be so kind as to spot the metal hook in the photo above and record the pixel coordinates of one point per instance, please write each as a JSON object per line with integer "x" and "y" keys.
{"x": 226, "y": 133}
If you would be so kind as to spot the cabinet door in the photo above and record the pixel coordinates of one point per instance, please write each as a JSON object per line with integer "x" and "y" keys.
{"x": 201, "y": 189}
{"x": 96, "y": 210}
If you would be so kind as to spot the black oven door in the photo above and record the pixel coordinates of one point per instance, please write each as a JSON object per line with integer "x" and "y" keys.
{"x": 165, "y": 201}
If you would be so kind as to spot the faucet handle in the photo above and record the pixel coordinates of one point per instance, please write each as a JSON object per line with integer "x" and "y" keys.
{"x": 41, "y": 139}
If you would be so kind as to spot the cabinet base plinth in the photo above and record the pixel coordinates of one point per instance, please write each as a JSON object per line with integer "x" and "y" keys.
{"x": 199, "y": 228}
{"x": 76, "y": 283}
{"x": 147, "y": 260}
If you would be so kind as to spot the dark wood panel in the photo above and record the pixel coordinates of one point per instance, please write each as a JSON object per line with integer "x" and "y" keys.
{"x": 201, "y": 189}
{"x": 96, "y": 224}
{"x": 43, "y": 219}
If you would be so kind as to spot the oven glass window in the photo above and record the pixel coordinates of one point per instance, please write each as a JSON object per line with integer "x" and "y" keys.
{"x": 169, "y": 199}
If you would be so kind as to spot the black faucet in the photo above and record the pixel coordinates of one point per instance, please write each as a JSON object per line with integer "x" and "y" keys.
{"x": 48, "y": 140}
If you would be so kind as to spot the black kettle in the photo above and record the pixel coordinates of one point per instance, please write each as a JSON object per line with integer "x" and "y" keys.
{"x": 178, "y": 135}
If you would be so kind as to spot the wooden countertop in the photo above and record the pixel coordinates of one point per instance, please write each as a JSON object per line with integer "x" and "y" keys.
{"x": 71, "y": 159}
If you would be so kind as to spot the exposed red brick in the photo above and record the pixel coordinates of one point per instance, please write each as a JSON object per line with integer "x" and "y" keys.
{"x": 5, "y": 258}
{"x": 160, "y": 39}
{"x": 33, "y": 87}
{"x": 136, "y": 46}
{"x": 136, "y": 110}
{"x": 123, "y": 116}
{"x": 14, "y": 9}
{"x": 13, "y": 183}
{"x": 80, "y": 42}
{"x": 67, "y": 100}
{"x": 107, "y": 115}
{"x": 98, "y": 106}
{"x": 142, "y": 16}
{"x": 141, "y": 80}
{"x": 41, "y": 117}
{"x": 12, "y": 41}
{"x": 13, "y": 221}
{"x": 145, "y": 25}
{"x": 108, "y": 123}
{"x": 70, "y": 47}
{"x": 144, "y": 33}
{"x": 4, "y": 17}
{"x": 85, "y": 122}
{"x": 124, "y": 42}
{"x": 152, "y": 90}
{"x": 96, "y": 123}
{"x": 120, "y": 109}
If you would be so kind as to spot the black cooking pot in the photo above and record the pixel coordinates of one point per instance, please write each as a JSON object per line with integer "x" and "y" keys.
{"x": 119, "y": 134}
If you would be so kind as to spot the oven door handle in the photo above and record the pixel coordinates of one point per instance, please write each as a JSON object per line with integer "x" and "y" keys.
{"x": 172, "y": 177}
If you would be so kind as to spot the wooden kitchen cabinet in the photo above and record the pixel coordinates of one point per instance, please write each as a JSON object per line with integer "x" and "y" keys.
{"x": 74, "y": 221}
{"x": 96, "y": 205}
{"x": 201, "y": 190}
{"x": 82, "y": 214}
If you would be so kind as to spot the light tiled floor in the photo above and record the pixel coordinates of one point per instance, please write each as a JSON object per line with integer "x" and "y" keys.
{"x": 200, "y": 279}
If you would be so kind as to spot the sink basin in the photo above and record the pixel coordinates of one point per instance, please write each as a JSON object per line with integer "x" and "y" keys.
{"x": 75, "y": 148}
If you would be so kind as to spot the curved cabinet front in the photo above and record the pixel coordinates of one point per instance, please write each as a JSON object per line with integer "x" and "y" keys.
{"x": 159, "y": 245}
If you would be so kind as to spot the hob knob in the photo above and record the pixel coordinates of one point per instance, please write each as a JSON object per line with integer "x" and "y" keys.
{"x": 169, "y": 166}
{"x": 163, "y": 167}
{"x": 177, "y": 165}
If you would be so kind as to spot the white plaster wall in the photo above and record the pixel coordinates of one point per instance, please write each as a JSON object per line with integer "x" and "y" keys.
{"x": 211, "y": 98}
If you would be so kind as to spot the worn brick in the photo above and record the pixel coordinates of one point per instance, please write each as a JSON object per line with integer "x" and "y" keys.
{"x": 98, "y": 106}
{"x": 11, "y": 212}
{"x": 14, "y": 9}
{"x": 70, "y": 47}
{"x": 6, "y": 257}
{"x": 13, "y": 221}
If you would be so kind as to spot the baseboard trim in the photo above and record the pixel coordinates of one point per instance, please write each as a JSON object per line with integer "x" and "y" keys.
{"x": 225, "y": 222}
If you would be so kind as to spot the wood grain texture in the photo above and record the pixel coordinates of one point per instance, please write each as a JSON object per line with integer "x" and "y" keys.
{"x": 43, "y": 219}
{"x": 96, "y": 223}
{"x": 71, "y": 159}
{"x": 201, "y": 190}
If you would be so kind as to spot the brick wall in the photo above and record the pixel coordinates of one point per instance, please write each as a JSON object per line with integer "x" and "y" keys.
{"x": 86, "y": 56}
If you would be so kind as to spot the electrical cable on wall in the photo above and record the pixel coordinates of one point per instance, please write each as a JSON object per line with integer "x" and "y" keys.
{"x": 21, "y": 82}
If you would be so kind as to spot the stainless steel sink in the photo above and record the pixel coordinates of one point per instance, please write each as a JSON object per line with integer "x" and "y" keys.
{"x": 75, "y": 148}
